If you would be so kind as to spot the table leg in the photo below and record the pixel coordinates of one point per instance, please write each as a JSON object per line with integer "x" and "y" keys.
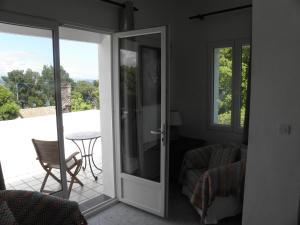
{"x": 89, "y": 158}
{"x": 83, "y": 146}
{"x": 92, "y": 153}
{"x": 83, "y": 156}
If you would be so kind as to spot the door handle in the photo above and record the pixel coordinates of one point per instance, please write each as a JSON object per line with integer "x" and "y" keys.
{"x": 156, "y": 132}
{"x": 160, "y": 132}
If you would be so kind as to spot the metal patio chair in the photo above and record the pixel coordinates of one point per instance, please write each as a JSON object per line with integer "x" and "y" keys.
{"x": 48, "y": 156}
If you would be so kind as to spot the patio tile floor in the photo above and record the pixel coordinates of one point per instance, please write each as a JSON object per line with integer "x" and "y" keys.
{"x": 90, "y": 190}
{"x": 18, "y": 157}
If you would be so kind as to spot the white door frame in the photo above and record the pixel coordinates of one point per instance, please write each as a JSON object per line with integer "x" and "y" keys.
{"x": 19, "y": 19}
{"x": 162, "y": 186}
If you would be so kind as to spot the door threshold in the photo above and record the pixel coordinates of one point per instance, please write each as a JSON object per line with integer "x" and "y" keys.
{"x": 96, "y": 209}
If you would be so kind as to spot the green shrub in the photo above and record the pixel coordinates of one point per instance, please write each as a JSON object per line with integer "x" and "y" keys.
{"x": 78, "y": 103}
{"x": 225, "y": 118}
{"x": 9, "y": 111}
{"x": 8, "y": 107}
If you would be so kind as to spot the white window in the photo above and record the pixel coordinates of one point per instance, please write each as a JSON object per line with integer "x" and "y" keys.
{"x": 229, "y": 84}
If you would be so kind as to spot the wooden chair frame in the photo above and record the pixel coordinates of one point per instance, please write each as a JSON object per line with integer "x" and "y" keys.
{"x": 48, "y": 156}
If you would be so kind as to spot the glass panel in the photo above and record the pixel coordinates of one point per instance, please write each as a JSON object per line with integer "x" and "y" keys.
{"x": 27, "y": 108}
{"x": 244, "y": 81}
{"x": 140, "y": 102}
{"x": 79, "y": 57}
{"x": 222, "y": 86}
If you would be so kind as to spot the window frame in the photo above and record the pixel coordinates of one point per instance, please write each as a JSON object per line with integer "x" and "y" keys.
{"x": 25, "y": 20}
{"x": 236, "y": 45}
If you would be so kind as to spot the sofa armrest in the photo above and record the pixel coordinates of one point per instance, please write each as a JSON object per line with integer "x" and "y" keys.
{"x": 36, "y": 208}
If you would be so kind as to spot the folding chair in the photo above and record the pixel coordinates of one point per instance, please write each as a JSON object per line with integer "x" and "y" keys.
{"x": 48, "y": 156}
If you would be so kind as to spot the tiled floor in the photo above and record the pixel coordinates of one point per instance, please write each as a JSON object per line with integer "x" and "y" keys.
{"x": 90, "y": 190}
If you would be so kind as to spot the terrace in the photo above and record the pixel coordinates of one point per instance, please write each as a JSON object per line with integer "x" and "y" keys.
{"x": 21, "y": 169}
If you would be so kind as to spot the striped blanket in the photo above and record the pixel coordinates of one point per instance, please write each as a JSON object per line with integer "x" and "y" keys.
{"x": 34, "y": 208}
{"x": 221, "y": 181}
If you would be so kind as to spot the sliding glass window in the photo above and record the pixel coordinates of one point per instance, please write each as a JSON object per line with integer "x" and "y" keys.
{"x": 30, "y": 154}
{"x": 46, "y": 108}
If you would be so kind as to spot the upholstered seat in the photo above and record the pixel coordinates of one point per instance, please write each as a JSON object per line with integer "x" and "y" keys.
{"x": 212, "y": 178}
{"x": 29, "y": 208}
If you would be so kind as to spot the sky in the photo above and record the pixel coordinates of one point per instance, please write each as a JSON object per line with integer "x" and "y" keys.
{"x": 79, "y": 59}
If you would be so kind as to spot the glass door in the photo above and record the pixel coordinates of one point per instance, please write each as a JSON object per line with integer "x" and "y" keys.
{"x": 32, "y": 153}
{"x": 140, "y": 87}
{"x": 80, "y": 57}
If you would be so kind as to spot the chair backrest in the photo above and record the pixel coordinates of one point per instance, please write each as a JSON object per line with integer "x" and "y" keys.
{"x": 47, "y": 151}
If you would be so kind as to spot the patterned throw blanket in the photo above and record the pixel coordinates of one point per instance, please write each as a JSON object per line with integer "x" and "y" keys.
{"x": 33, "y": 208}
{"x": 221, "y": 181}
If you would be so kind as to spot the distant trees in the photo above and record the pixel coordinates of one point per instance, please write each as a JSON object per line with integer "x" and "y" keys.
{"x": 85, "y": 95}
{"x": 244, "y": 81}
{"x": 8, "y": 107}
{"x": 33, "y": 89}
{"x": 225, "y": 84}
{"x": 78, "y": 103}
{"x": 89, "y": 92}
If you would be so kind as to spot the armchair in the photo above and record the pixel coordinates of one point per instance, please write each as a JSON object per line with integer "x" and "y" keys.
{"x": 212, "y": 177}
{"x": 34, "y": 208}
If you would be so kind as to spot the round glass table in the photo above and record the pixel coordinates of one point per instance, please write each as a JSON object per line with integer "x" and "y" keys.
{"x": 86, "y": 154}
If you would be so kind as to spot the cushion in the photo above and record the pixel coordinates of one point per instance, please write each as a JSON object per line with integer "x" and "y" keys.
{"x": 222, "y": 157}
{"x": 6, "y": 216}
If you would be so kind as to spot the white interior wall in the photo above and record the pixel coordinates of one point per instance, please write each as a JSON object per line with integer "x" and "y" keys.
{"x": 188, "y": 42}
{"x": 190, "y": 78}
{"x": 91, "y": 13}
{"x": 154, "y": 13}
{"x": 13, "y": 29}
{"x": 81, "y": 35}
{"x": 272, "y": 179}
